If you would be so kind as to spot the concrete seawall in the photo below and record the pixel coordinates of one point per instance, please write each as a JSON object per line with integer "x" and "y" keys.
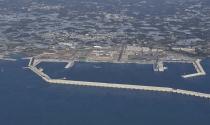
{"x": 46, "y": 78}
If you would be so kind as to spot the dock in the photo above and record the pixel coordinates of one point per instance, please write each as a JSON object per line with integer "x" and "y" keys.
{"x": 199, "y": 69}
{"x": 46, "y": 78}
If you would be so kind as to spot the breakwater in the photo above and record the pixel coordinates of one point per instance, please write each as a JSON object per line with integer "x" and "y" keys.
{"x": 199, "y": 69}
{"x": 45, "y": 77}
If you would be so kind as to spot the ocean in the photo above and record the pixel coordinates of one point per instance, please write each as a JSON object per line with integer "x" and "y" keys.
{"x": 25, "y": 99}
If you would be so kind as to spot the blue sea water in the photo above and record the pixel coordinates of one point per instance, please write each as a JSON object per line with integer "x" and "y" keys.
{"x": 25, "y": 99}
{"x": 132, "y": 74}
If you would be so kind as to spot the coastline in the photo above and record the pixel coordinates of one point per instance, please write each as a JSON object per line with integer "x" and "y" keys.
{"x": 8, "y": 59}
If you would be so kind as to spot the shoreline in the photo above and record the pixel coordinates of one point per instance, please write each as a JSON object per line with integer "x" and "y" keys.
{"x": 158, "y": 66}
{"x": 8, "y": 59}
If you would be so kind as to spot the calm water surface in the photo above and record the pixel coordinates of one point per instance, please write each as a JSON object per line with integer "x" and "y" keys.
{"x": 25, "y": 99}
{"x": 133, "y": 74}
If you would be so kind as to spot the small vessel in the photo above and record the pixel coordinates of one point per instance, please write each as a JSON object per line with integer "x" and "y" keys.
{"x": 64, "y": 78}
{"x": 97, "y": 67}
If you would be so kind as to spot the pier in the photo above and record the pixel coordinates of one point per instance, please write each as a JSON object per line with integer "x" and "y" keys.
{"x": 69, "y": 64}
{"x": 199, "y": 69}
{"x": 158, "y": 67}
{"x": 46, "y": 78}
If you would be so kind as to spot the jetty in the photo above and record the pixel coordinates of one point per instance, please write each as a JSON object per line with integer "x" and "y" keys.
{"x": 46, "y": 78}
{"x": 69, "y": 64}
{"x": 199, "y": 69}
